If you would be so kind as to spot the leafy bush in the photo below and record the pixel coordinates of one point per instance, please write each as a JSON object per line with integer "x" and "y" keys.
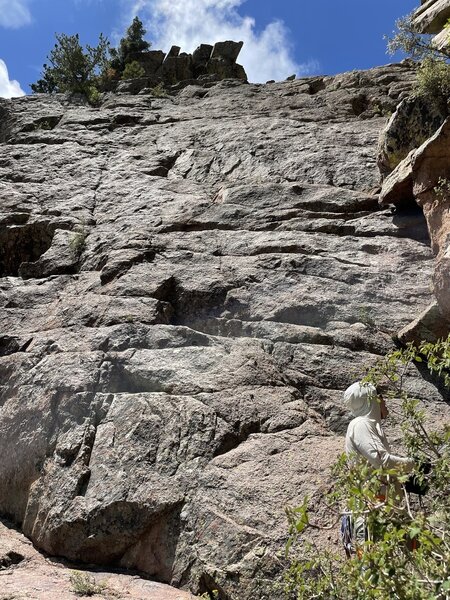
{"x": 77, "y": 243}
{"x": 159, "y": 91}
{"x": 47, "y": 84}
{"x": 89, "y": 70}
{"x": 133, "y": 70}
{"x": 84, "y": 584}
{"x": 407, "y": 555}
{"x": 433, "y": 82}
{"x": 93, "y": 95}
{"x": 407, "y": 39}
{"x": 442, "y": 189}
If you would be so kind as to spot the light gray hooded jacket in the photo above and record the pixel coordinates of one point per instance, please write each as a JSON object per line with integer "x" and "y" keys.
{"x": 365, "y": 437}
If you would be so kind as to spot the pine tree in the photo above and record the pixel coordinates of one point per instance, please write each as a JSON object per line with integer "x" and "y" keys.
{"x": 133, "y": 43}
{"x": 71, "y": 67}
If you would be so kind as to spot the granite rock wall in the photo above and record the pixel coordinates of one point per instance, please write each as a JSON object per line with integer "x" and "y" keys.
{"x": 187, "y": 286}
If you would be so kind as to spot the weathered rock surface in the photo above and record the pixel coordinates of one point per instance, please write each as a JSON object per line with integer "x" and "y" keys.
{"x": 424, "y": 176}
{"x": 187, "y": 285}
{"x": 430, "y": 325}
{"x": 413, "y": 122}
{"x": 432, "y": 16}
{"x": 217, "y": 62}
{"x": 441, "y": 40}
{"x": 26, "y": 574}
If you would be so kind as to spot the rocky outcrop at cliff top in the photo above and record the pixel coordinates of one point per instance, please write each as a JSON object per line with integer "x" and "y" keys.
{"x": 188, "y": 284}
{"x": 206, "y": 63}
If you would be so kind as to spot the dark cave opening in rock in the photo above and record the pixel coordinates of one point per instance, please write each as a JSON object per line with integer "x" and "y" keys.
{"x": 408, "y": 217}
{"x": 23, "y": 243}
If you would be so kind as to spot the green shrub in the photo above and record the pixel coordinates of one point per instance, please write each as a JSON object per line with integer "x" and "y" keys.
{"x": 133, "y": 70}
{"x": 408, "y": 555}
{"x": 93, "y": 96}
{"x": 418, "y": 46}
{"x": 365, "y": 316}
{"x": 77, "y": 69}
{"x": 433, "y": 82}
{"x": 43, "y": 125}
{"x": 442, "y": 189}
{"x": 84, "y": 584}
{"x": 77, "y": 243}
{"x": 433, "y": 79}
{"x": 159, "y": 91}
{"x": 47, "y": 83}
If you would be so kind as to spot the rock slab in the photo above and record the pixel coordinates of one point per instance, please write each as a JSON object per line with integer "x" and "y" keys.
{"x": 187, "y": 285}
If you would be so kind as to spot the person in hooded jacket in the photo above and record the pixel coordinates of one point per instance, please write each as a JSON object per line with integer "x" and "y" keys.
{"x": 365, "y": 439}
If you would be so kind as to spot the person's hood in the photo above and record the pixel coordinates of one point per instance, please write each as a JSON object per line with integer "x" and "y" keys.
{"x": 361, "y": 399}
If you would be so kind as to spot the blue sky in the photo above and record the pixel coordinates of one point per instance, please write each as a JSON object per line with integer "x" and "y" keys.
{"x": 281, "y": 37}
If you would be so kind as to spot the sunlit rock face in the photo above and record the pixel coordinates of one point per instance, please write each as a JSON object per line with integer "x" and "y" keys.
{"x": 424, "y": 176}
{"x": 206, "y": 64}
{"x": 431, "y": 18}
{"x": 188, "y": 284}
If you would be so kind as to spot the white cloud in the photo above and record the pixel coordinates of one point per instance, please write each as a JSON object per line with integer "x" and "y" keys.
{"x": 188, "y": 23}
{"x": 8, "y": 89}
{"x": 14, "y": 13}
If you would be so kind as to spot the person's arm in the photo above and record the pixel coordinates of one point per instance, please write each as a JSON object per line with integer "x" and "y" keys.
{"x": 370, "y": 445}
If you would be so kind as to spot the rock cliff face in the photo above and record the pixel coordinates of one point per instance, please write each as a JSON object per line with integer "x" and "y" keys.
{"x": 187, "y": 285}
{"x": 423, "y": 176}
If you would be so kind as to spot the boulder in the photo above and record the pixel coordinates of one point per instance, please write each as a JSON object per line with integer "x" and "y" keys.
{"x": 135, "y": 86}
{"x": 201, "y": 55}
{"x": 150, "y": 60}
{"x": 430, "y": 325}
{"x": 432, "y": 16}
{"x": 413, "y": 122}
{"x": 61, "y": 257}
{"x": 26, "y": 573}
{"x": 225, "y": 70}
{"x": 228, "y": 51}
{"x": 173, "y": 52}
{"x": 200, "y": 59}
{"x": 176, "y": 68}
{"x": 441, "y": 40}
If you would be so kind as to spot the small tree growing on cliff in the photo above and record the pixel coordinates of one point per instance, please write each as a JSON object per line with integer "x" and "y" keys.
{"x": 408, "y": 557}
{"x": 433, "y": 77}
{"x": 73, "y": 68}
{"x": 133, "y": 43}
{"x": 418, "y": 46}
{"x": 133, "y": 70}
